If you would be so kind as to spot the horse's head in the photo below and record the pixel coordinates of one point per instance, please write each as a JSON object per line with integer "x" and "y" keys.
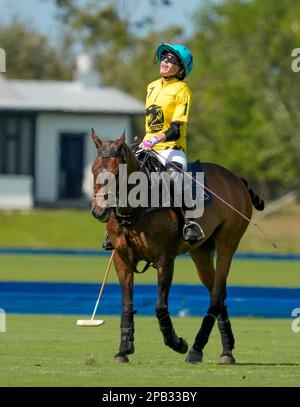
{"x": 110, "y": 155}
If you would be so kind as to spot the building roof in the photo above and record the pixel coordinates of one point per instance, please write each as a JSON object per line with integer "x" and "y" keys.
{"x": 62, "y": 96}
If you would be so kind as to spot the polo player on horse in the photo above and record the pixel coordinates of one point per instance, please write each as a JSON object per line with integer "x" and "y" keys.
{"x": 168, "y": 103}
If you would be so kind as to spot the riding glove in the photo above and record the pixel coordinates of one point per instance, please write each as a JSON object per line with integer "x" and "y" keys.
{"x": 148, "y": 144}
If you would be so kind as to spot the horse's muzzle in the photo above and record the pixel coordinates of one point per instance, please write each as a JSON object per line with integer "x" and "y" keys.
{"x": 101, "y": 214}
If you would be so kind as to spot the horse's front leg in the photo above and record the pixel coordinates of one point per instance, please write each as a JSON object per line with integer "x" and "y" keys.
{"x": 165, "y": 270}
{"x": 125, "y": 276}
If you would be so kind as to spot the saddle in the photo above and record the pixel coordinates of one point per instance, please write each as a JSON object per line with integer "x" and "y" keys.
{"x": 149, "y": 163}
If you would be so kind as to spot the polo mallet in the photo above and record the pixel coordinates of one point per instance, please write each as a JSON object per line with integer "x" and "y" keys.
{"x": 92, "y": 321}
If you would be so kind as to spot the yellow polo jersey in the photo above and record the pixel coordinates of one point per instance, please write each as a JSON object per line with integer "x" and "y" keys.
{"x": 167, "y": 102}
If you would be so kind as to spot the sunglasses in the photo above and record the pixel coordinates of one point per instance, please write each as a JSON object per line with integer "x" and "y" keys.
{"x": 172, "y": 59}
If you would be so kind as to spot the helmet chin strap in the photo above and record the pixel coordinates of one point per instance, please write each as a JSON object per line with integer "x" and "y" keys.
{"x": 169, "y": 77}
{"x": 174, "y": 76}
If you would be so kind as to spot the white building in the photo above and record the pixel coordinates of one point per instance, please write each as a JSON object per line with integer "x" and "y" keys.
{"x": 45, "y": 147}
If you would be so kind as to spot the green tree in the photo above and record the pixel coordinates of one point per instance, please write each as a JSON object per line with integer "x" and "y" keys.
{"x": 123, "y": 57}
{"x": 109, "y": 35}
{"x": 29, "y": 55}
{"x": 245, "y": 94}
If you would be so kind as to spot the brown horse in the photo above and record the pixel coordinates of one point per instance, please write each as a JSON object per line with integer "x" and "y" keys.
{"x": 156, "y": 236}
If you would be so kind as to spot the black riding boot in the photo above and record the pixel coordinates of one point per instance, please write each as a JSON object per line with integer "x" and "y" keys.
{"x": 107, "y": 245}
{"x": 192, "y": 232}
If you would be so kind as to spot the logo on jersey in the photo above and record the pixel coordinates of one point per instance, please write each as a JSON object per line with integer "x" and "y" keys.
{"x": 155, "y": 118}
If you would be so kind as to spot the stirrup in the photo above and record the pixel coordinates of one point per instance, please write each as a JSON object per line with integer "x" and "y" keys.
{"x": 107, "y": 245}
{"x": 200, "y": 236}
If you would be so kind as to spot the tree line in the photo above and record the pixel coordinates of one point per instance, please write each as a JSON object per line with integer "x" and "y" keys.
{"x": 245, "y": 110}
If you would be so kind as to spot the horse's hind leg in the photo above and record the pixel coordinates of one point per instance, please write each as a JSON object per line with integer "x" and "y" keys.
{"x": 226, "y": 244}
{"x": 227, "y": 337}
{"x": 203, "y": 259}
{"x": 218, "y": 310}
{"x": 125, "y": 275}
{"x": 216, "y": 284}
{"x": 165, "y": 268}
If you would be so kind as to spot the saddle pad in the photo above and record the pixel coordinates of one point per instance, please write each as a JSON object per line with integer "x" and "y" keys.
{"x": 194, "y": 167}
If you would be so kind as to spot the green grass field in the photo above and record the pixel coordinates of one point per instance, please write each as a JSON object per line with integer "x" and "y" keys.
{"x": 91, "y": 269}
{"x": 46, "y": 350}
{"x": 78, "y": 229}
{"x": 53, "y": 351}
{"x": 43, "y": 350}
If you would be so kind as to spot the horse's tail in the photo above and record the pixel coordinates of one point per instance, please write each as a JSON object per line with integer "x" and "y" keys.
{"x": 257, "y": 202}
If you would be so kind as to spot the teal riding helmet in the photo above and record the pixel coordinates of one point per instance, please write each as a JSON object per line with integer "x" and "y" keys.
{"x": 183, "y": 53}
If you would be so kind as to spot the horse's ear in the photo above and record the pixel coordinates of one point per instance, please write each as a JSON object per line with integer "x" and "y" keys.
{"x": 96, "y": 140}
{"x": 121, "y": 140}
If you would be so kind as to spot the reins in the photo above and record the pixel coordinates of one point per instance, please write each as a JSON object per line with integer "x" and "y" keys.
{"x": 124, "y": 220}
{"x": 217, "y": 196}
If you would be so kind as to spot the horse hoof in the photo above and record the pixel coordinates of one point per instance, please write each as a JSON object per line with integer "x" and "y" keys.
{"x": 194, "y": 356}
{"x": 226, "y": 359}
{"x": 121, "y": 358}
{"x": 183, "y": 348}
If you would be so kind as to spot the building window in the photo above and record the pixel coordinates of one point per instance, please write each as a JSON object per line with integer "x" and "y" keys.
{"x": 16, "y": 144}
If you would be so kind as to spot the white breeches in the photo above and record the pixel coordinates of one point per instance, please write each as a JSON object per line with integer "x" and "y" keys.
{"x": 172, "y": 155}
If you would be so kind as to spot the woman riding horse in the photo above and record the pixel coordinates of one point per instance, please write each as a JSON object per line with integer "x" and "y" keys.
{"x": 168, "y": 103}
{"x": 156, "y": 237}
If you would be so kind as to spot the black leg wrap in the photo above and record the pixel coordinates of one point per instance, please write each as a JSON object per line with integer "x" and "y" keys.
{"x": 127, "y": 330}
{"x": 214, "y": 310}
{"x": 163, "y": 317}
{"x": 225, "y": 331}
{"x": 223, "y": 313}
{"x": 169, "y": 335}
{"x": 204, "y": 332}
{"x": 166, "y": 326}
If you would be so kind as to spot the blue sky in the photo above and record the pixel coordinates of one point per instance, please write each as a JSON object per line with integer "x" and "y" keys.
{"x": 41, "y": 13}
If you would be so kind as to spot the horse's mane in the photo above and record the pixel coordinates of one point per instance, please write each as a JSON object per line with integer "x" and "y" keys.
{"x": 135, "y": 158}
{"x": 130, "y": 158}
{"x": 147, "y": 160}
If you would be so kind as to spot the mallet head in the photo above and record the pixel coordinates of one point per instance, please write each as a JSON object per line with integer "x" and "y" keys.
{"x": 90, "y": 322}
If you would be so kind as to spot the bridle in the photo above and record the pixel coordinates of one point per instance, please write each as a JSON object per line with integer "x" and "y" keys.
{"x": 120, "y": 154}
{"x": 109, "y": 154}
{"x": 125, "y": 220}
{"x": 143, "y": 167}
